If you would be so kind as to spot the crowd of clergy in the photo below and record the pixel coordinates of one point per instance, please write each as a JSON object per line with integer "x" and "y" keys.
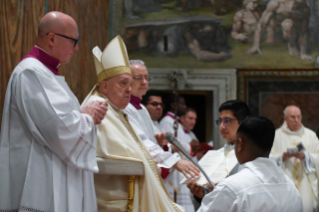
{"x": 49, "y": 143}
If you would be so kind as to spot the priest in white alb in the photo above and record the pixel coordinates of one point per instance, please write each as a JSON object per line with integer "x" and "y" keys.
{"x": 188, "y": 122}
{"x": 301, "y": 166}
{"x": 47, "y": 143}
{"x": 143, "y": 125}
{"x": 118, "y": 140}
{"x": 153, "y": 102}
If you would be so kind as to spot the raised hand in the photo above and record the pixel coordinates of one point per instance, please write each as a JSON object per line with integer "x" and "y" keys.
{"x": 97, "y": 110}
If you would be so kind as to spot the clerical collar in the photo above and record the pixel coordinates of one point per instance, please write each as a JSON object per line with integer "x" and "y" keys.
{"x": 286, "y": 129}
{"x": 135, "y": 101}
{"x": 172, "y": 115}
{"x": 47, "y": 60}
{"x": 186, "y": 131}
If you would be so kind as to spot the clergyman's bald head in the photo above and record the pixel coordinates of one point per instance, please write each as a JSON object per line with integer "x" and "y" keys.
{"x": 58, "y": 35}
{"x": 54, "y": 21}
{"x": 293, "y": 117}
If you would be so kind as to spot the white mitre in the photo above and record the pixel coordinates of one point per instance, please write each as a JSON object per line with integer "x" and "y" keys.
{"x": 113, "y": 61}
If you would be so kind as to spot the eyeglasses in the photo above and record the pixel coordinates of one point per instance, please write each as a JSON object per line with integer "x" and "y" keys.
{"x": 155, "y": 104}
{"x": 141, "y": 78}
{"x": 75, "y": 40}
{"x": 226, "y": 121}
{"x": 294, "y": 117}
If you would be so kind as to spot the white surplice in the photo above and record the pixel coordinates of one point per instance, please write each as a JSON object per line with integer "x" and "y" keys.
{"x": 157, "y": 127}
{"x": 167, "y": 124}
{"x": 304, "y": 173}
{"x": 175, "y": 177}
{"x": 260, "y": 185}
{"x": 47, "y": 147}
{"x": 143, "y": 126}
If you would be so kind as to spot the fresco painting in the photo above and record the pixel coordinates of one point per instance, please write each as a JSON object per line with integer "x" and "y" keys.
{"x": 222, "y": 33}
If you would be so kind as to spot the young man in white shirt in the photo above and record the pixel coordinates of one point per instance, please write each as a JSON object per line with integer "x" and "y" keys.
{"x": 259, "y": 185}
{"x": 231, "y": 114}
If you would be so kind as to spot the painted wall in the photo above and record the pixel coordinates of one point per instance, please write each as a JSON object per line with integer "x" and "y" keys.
{"x": 219, "y": 33}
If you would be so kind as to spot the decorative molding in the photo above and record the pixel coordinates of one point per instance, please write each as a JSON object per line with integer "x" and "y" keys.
{"x": 221, "y": 82}
{"x": 247, "y": 75}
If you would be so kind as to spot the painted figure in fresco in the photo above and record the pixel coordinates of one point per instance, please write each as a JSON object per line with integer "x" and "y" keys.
{"x": 207, "y": 42}
{"x": 293, "y": 16}
{"x": 140, "y": 6}
{"x": 245, "y": 22}
{"x": 141, "y": 38}
{"x": 202, "y": 37}
{"x": 314, "y": 24}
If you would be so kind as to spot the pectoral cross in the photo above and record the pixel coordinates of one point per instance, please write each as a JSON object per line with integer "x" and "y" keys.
{"x": 293, "y": 144}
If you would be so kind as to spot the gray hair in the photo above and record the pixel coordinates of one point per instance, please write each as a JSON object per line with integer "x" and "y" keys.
{"x": 285, "y": 110}
{"x": 141, "y": 62}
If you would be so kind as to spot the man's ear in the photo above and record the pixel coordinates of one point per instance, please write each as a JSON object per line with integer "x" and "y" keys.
{"x": 50, "y": 38}
{"x": 104, "y": 87}
{"x": 240, "y": 145}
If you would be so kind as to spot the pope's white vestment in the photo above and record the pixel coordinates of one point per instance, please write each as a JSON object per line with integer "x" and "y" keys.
{"x": 116, "y": 139}
{"x": 304, "y": 173}
{"x": 47, "y": 146}
{"x": 260, "y": 185}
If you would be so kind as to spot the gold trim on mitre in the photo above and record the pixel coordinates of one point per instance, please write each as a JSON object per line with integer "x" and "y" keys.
{"x": 112, "y": 61}
{"x": 111, "y": 72}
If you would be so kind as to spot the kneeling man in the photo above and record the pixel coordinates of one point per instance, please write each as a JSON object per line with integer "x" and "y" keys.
{"x": 260, "y": 185}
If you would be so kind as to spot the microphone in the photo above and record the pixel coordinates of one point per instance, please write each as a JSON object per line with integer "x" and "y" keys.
{"x": 174, "y": 141}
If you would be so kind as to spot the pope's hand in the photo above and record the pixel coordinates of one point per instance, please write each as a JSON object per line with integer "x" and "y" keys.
{"x": 196, "y": 190}
{"x": 97, "y": 110}
{"x": 187, "y": 168}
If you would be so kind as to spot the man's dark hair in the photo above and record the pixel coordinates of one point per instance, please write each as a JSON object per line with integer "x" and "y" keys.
{"x": 189, "y": 109}
{"x": 171, "y": 99}
{"x": 259, "y": 130}
{"x": 239, "y": 108}
{"x": 148, "y": 94}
